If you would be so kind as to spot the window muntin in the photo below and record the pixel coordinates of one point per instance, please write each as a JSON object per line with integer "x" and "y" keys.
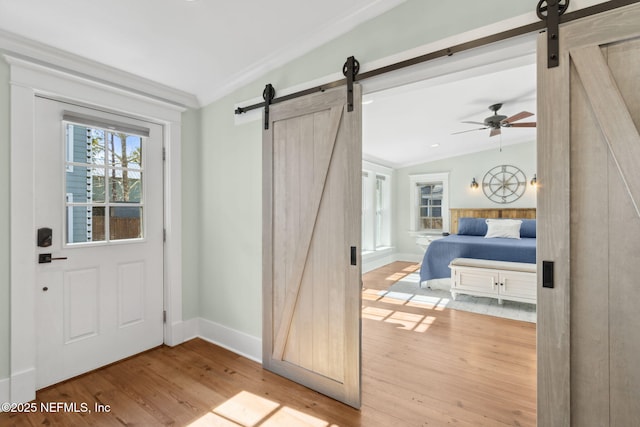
{"x": 104, "y": 194}
{"x": 430, "y": 206}
{"x": 429, "y": 203}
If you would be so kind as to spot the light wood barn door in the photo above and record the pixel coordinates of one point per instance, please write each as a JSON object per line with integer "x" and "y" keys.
{"x": 312, "y": 159}
{"x": 589, "y": 223}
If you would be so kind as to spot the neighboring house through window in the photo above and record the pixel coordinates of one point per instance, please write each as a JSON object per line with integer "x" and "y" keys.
{"x": 104, "y": 197}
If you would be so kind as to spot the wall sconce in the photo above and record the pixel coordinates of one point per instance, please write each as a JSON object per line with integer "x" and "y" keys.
{"x": 534, "y": 181}
{"x": 474, "y": 184}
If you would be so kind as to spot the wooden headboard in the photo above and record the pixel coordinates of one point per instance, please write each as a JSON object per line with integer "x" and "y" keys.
{"x": 456, "y": 214}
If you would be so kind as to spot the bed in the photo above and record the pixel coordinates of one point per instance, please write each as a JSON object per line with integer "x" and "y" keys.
{"x": 470, "y": 242}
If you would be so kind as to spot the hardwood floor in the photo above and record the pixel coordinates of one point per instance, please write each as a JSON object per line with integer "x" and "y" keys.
{"x": 421, "y": 367}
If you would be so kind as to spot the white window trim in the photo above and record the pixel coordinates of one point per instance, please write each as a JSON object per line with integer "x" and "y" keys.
{"x": 69, "y": 156}
{"x": 372, "y": 170}
{"x": 29, "y": 79}
{"x": 416, "y": 179}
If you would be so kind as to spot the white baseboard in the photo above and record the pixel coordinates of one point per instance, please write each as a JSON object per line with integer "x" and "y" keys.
{"x": 408, "y": 257}
{"x": 191, "y": 329}
{"x": 23, "y": 386}
{"x": 4, "y": 391}
{"x": 236, "y": 341}
{"x": 373, "y": 263}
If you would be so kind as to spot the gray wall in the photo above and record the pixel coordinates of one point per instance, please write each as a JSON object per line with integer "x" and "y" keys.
{"x": 191, "y": 212}
{"x": 462, "y": 169}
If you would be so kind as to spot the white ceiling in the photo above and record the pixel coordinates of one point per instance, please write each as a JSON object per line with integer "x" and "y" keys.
{"x": 402, "y": 125}
{"x": 206, "y": 48}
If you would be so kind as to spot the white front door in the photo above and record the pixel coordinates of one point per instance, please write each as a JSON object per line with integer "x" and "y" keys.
{"x": 98, "y": 188}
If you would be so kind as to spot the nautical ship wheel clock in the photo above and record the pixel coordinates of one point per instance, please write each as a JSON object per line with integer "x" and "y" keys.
{"x": 504, "y": 184}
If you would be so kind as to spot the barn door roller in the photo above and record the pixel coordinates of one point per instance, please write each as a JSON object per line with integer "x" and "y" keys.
{"x": 268, "y": 94}
{"x": 550, "y": 11}
{"x": 350, "y": 70}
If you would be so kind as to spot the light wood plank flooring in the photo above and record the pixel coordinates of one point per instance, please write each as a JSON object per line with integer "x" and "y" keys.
{"x": 421, "y": 367}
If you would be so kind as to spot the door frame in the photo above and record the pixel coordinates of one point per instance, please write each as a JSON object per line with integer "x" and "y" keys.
{"x": 28, "y": 80}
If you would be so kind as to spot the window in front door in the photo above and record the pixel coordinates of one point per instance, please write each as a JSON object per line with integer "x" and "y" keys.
{"x": 104, "y": 195}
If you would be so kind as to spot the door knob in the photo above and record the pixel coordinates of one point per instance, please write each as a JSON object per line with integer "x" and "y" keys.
{"x": 47, "y": 258}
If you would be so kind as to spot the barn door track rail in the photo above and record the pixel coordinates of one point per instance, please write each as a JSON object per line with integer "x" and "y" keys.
{"x": 551, "y": 14}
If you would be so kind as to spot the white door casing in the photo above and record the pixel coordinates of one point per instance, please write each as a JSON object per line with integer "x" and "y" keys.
{"x": 589, "y": 223}
{"x": 312, "y": 157}
{"x": 104, "y": 300}
{"x": 28, "y": 80}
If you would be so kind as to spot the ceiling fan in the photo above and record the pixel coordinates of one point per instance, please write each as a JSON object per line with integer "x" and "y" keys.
{"x": 498, "y": 121}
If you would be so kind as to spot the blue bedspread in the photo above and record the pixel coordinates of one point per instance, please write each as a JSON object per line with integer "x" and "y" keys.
{"x": 441, "y": 252}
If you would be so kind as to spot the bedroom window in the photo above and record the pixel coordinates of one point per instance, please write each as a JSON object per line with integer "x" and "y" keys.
{"x": 376, "y": 208}
{"x": 430, "y": 206}
{"x": 429, "y": 203}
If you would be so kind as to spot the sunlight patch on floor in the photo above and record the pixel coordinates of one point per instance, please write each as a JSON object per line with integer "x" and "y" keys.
{"x": 391, "y": 298}
{"x": 411, "y": 300}
{"x": 290, "y": 417}
{"x": 376, "y": 313}
{"x": 370, "y": 294}
{"x": 412, "y": 268}
{"x": 395, "y": 277}
{"x": 406, "y": 321}
{"x": 211, "y": 419}
{"x": 412, "y": 278}
{"x": 248, "y": 410}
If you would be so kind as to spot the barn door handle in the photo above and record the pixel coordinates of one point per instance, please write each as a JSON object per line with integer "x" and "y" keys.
{"x": 547, "y": 274}
{"x": 354, "y": 257}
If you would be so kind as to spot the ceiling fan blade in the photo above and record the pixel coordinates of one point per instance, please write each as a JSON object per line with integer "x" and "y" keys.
{"x": 470, "y": 130}
{"x": 495, "y": 132}
{"x": 473, "y": 123}
{"x": 521, "y": 115}
{"x": 522, "y": 125}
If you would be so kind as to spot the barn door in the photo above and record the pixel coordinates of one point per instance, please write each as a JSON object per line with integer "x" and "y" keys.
{"x": 311, "y": 243}
{"x": 589, "y": 222}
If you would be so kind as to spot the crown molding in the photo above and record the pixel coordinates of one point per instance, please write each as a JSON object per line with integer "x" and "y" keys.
{"x": 60, "y": 60}
{"x": 300, "y": 47}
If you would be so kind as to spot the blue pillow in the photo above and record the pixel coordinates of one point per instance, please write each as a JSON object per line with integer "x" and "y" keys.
{"x": 472, "y": 226}
{"x": 528, "y": 228}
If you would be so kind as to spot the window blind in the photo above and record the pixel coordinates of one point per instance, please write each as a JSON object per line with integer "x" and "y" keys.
{"x": 112, "y": 125}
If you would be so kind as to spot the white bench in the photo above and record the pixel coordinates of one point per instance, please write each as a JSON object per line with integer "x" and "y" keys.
{"x": 514, "y": 281}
